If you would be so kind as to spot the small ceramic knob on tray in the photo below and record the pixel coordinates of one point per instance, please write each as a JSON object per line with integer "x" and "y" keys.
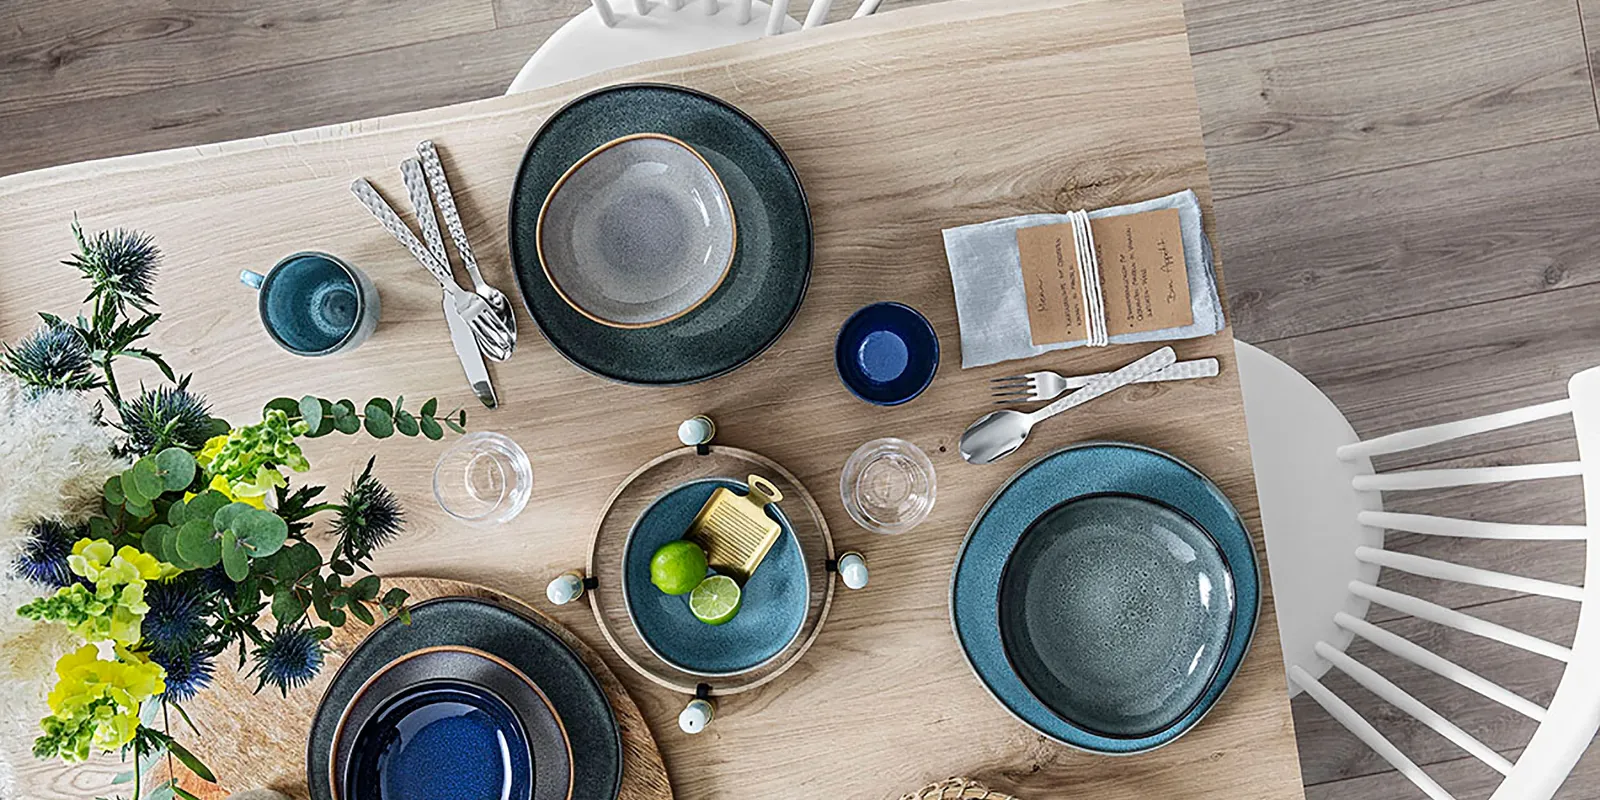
{"x": 853, "y": 570}
{"x": 567, "y": 587}
{"x": 697, "y": 715}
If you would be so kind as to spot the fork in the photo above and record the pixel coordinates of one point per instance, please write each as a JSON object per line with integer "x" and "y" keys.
{"x": 1046, "y": 385}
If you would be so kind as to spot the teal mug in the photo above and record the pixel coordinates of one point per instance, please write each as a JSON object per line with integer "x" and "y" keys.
{"x": 315, "y": 304}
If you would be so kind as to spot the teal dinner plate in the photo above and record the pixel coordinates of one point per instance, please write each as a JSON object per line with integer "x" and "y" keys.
{"x": 773, "y": 602}
{"x": 573, "y": 691}
{"x": 1106, "y": 596}
{"x": 771, "y": 267}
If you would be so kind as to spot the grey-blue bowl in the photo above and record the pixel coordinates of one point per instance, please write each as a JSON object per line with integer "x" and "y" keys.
{"x": 1031, "y": 531}
{"x": 774, "y": 600}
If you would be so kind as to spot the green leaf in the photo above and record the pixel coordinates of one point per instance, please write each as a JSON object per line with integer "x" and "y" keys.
{"x": 344, "y": 408}
{"x": 431, "y": 429}
{"x": 224, "y": 517}
{"x": 127, "y": 488}
{"x": 461, "y": 417}
{"x": 140, "y": 509}
{"x": 198, "y": 545}
{"x": 395, "y": 598}
{"x": 205, "y": 505}
{"x": 381, "y": 403}
{"x": 406, "y": 424}
{"x": 297, "y": 560}
{"x": 319, "y": 601}
{"x": 321, "y": 633}
{"x": 399, "y": 404}
{"x": 359, "y": 611}
{"x": 348, "y": 424}
{"x": 366, "y": 588}
{"x": 288, "y": 405}
{"x": 184, "y": 793}
{"x": 234, "y": 559}
{"x": 147, "y": 481}
{"x": 100, "y": 528}
{"x": 379, "y": 423}
{"x": 152, "y": 542}
{"x": 262, "y": 533}
{"x": 455, "y": 426}
{"x": 338, "y": 600}
{"x": 176, "y": 467}
{"x": 113, "y": 490}
{"x": 342, "y": 568}
{"x": 431, "y": 407}
{"x": 177, "y": 513}
{"x": 287, "y": 607}
{"x": 335, "y": 617}
{"x": 318, "y": 414}
{"x": 194, "y": 764}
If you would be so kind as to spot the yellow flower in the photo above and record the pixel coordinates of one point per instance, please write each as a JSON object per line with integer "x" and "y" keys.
{"x": 220, "y": 483}
{"x": 96, "y": 702}
{"x": 213, "y": 446}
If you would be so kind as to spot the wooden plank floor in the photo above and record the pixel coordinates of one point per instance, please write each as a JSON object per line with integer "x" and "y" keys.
{"x": 1408, "y": 202}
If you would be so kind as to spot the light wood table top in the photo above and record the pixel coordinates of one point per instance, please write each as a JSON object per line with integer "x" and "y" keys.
{"x": 899, "y": 125}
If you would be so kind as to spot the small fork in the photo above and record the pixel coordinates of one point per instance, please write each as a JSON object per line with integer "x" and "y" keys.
{"x": 1036, "y": 387}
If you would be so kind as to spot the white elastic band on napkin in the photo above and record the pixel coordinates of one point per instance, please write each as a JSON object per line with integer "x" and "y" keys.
{"x": 1094, "y": 301}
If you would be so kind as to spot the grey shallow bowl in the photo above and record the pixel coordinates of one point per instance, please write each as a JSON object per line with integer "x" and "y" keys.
{"x": 638, "y": 232}
{"x": 1115, "y": 611}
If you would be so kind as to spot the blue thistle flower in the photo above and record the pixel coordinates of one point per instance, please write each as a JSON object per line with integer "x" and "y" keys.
{"x": 214, "y": 579}
{"x": 170, "y": 416}
{"x": 176, "y": 621}
{"x": 188, "y": 671}
{"x": 52, "y": 357}
{"x": 369, "y": 518}
{"x": 44, "y": 554}
{"x": 289, "y": 658}
{"x": 120, "y": 266}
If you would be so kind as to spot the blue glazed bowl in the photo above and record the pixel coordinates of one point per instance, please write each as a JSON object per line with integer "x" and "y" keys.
{"x": 774, "y": 604}
{"x": 886, "y": 353}
{"x": 442, "y": 739}
{"x": 1017, "y": 532}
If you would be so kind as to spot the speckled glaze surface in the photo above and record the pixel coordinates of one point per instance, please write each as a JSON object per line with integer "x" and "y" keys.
{"x": 572, "y": 690}
{"x": 637, "y": 233}
{"x": 1098, "y": 468}
{"x": 442, "y": 739}
{"x": 547, "y": 739}
{"x": 774, "y": 600}
{"x": 1115, "y": 611}
{"x": 772, "y": 258}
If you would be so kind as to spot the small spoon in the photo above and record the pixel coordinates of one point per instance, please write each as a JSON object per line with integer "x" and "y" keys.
{"x": 999, "y": 433}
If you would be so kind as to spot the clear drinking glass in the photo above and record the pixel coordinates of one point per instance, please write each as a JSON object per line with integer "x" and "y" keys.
{"x": 483, "y": 479}
{"x": 888, "y": 486}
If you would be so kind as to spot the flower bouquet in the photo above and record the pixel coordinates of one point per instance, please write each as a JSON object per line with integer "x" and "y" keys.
{"x": 142, "y": 538}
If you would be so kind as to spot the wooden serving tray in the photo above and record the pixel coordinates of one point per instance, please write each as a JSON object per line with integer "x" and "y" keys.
{"x": 255, "y": 741}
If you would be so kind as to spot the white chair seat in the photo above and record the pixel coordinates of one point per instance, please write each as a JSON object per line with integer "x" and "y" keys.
{"x": 1308, "y": 506}
{"x": 585, "y": 45}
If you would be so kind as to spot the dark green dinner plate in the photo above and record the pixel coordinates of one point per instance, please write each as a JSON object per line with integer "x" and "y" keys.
{"x": 771, "y": 265}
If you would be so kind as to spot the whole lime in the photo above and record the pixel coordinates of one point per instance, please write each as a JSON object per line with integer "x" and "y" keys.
{"x": 677, "y": 567}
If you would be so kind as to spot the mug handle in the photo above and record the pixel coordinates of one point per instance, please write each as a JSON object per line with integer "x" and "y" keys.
{"x": 251, "y": 279}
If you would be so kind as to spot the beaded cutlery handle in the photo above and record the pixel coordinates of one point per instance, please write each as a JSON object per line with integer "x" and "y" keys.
{"x": 417, "y": 187}
{"x": 447, "y": 206}
{"x": 392, "y": 223}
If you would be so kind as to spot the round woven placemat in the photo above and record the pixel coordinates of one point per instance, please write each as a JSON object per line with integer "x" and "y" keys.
{"x": 957, "y": 789}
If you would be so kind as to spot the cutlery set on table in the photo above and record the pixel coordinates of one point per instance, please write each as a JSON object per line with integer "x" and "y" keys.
{"x": 482, "y": 323}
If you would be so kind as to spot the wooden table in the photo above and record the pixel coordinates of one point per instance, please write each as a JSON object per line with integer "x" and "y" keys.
{"x": 899, "y": 125}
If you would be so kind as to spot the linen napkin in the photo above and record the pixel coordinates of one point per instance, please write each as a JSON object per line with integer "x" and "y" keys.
{"x": 992, "y": 308}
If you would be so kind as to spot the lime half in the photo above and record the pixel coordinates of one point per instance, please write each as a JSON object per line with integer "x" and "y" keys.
{"x": 678, "y": 567}
{"x": 715, "y": 600}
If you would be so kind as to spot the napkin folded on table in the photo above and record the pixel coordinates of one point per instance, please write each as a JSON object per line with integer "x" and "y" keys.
{"x": 992, "y": 308}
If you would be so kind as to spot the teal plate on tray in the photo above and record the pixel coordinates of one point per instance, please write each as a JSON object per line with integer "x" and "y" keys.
{"x": 774, "y": 600}
{"x": 772, "y": 259}
{"x": 573, "y": 691}
{"x": 1106, "y": 596}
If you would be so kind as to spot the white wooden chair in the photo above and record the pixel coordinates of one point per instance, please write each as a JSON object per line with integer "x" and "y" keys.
{"x": 1321, "y": 508}
{"x": 601, "y": 37}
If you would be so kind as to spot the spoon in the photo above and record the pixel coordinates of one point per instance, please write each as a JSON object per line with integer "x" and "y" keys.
{"x": 999, "y": 433}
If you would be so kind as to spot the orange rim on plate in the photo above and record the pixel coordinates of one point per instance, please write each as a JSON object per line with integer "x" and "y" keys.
{"x": 334, "y": 786}
{"x": 544, "y": 263}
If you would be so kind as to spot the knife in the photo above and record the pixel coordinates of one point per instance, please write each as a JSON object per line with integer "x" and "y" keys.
{"x": 471, "y": 358}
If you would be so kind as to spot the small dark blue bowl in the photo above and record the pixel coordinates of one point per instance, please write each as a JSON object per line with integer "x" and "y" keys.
{"x": 442, "y": 739}
{"x": 886, "y": 353}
